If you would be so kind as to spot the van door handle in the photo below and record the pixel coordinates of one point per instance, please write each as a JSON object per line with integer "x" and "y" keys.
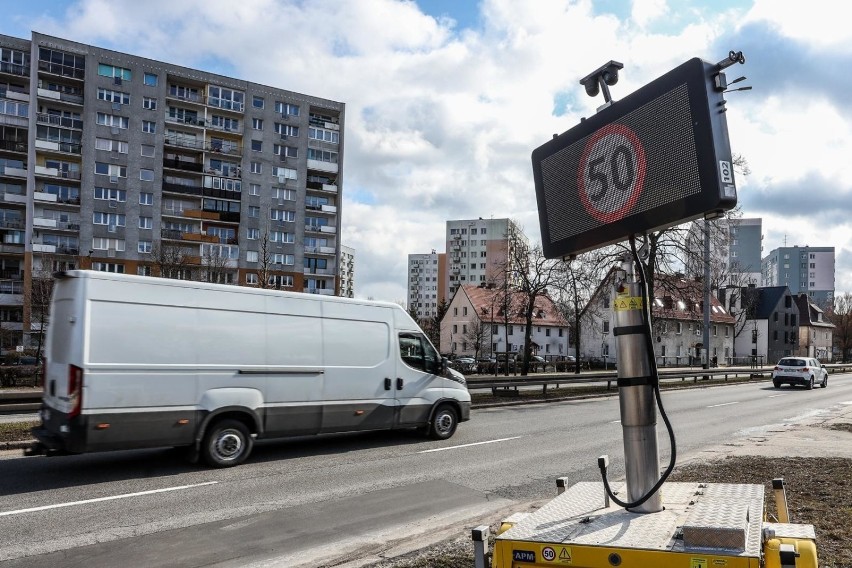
{"x": 387, "y": 383}
{"x": 398, "y": 384}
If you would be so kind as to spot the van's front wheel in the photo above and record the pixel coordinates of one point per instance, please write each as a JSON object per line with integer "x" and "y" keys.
{"x": 443, "y": 423}
{"x": 226, "y": 444}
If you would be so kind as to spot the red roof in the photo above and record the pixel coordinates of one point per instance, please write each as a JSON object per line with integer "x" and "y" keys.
{"x": 484, "y": 300}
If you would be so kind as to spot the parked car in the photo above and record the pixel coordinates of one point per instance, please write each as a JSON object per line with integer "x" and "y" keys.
{"x": 465, "y": 365}
{"x": 805, "y": 371}
{"x": 486, "y": 364}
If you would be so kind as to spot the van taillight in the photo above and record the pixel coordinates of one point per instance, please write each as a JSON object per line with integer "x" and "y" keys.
{"x": 75, "y": 390}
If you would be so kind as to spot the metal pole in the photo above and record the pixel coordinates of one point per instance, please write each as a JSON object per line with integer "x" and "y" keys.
{"x": 636, "y": 394}
{"x": 706, "y": 337}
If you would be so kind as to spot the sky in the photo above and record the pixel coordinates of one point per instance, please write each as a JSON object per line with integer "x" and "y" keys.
{"x": 446, "y": 99}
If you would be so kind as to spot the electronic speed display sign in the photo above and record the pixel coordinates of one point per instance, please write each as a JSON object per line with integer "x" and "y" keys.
{"x": 656, "y": 158}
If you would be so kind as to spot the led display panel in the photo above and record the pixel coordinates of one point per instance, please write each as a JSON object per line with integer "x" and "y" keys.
{"x": 656, "y": 158}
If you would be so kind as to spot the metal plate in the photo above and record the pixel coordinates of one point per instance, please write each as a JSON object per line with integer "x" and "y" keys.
{"x": 789, "y": 530}
{"x": 578, "y": 517}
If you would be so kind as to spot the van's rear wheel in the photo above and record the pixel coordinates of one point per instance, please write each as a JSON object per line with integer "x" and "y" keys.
{"x": 443, "y": 423}
{"x": 226, "y": 444}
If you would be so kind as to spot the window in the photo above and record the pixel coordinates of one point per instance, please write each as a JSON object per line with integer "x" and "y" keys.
{"x": 251, "y": 256}
{"x": 224, "y": 122}
{"x": 110, "y": 194}
{"x": 287, "y": 259}
{"x": 281, "y": 281}
{"x": 147, "y": 150}
{"x": 257, "y": 123}
{"x": 284, "y": 173}
{"x": 146, "y": 175}
{"x": 286, "y": 151}
{"x": 282, "y": 215}
{"x": 225, "y": 98}
{"x": 111, "y": 170}
{"x": 111, "y": 145}
{"x": 254, "y": 189}
{"x": 149, "y": 126}
{"x": 111, "y": 96}
{"x": 113, "y": 120}
{"x": 605, "y": 327}
{"x": 257, "y": 102}
{"x": 323, "y": 156}
{"x": 149, "y": 102}
{"x": 256, "y": 167}
{"x": 111, "y": 219}
{"x": 150, "y": 79}
{"x": 120, "y": 73}
{"x": 286, "y": 109}
{"x": 679, "y": 327}
{"x": 282, "y": 237}
{"x": 144, "y": 247}
{"x": 253, "y": 234}
{"x": 251, "y": 278}
{"x": 146, "y": 223}
{"x": 324, "y": 135}
{"x": 143, "y": 270}
{"x": 253, "y": 211}
{"x": 99, "y": 243}
{"x": 146, "y": 198}
{"x": 286, "y": 130}
{"x": 108, "y": 267}
{"x": 256, "y": 146}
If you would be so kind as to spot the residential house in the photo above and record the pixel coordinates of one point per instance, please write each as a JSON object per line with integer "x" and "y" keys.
{"x": 771, "y": 323}
{"x": 475, "y": 324}
{"x": 678, "y": 323}
{"x": 816, "y": 333}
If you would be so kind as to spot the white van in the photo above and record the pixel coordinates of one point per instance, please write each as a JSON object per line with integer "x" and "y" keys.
{"x": 141, "y": 362}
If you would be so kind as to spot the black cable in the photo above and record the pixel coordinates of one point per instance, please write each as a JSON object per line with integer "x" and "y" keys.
{"x": 649, "y": 343}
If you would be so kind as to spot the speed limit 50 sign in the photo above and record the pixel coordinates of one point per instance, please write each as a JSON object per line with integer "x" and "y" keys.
{"x": 656, "y": 158}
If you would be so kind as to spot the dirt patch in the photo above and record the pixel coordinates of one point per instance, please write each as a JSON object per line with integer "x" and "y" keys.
{"x": 15, "y": 431}
{"x": 841, "y": 426}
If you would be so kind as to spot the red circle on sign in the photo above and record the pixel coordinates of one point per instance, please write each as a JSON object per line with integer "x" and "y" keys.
{"x": 637, "y": 153}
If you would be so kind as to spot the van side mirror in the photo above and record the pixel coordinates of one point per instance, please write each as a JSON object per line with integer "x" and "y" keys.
{"x": 444, "y": 365}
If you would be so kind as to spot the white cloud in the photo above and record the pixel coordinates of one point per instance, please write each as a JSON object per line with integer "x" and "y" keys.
{"x": 440, "y": 122}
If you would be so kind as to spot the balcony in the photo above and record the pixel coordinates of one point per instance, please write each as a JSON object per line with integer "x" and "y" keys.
{"x": 60, "y": 96}
{"x": 322, "y": 208}
{"x": 64, "y": 147}
{"x": 225, "y": 104}
{"x": 183, "y": 94}
{"x": 13, "y": 145}
{"x": 55, "y": 120}
{"x": 13, "y": 172}
{"x": 229, "y": 129}
{"x": 201, "y": 214}
{"x": 50, "y": 223}
{"x": 186, "y": 121}
{"x": 11, "y": 287}
{"x": 17, "y": 224}
{"x": 14, "y": 69}
{"x": 41, "y": 247}
{"x": 184, "y": 142}
{"x": 322, "y": 166}
{"x": 11, "y": 197}
{"x": 320, "y": 271}
{"x": 183, "y": 189}
{"x": 320, "y": 250}
{"x": 321, "y": 291}
{"x": 185, "y": 165}
{"x": 14, "y": 114}
{"x": 56, "y": 172}
{"x": 327, "y": 187}
{"x": 62, "y": 70}
{"x": 178, "y": 235}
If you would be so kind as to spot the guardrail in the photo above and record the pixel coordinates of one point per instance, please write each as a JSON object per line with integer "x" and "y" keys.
{"x": 513, "y": 382}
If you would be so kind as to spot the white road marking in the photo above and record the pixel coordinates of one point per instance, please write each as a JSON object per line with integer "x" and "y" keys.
{"x": 615, "y": 422}
{"x": 468, "y": 445}
{"x": 100, "y": 499}
{"x": 847, "y": 402}
{"x": 776, "y": 395}
{"x": 723, "y": 404}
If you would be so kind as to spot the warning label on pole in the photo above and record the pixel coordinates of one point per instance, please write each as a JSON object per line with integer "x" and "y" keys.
{"x": 627, "y": 303}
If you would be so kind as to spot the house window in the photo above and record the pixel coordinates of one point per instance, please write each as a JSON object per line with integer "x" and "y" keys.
{"x": 257, "y": 102}
{"x": 150, "y": 79}
{"x": 256, "y": 167}
{"x": 112, "y": 120}
{"x": 253, "y": 234}
{"x": 146, "y": 222}
{"x": 251, "y": 256}
{"x": 144, "y": 247}
{"x": 606, "y": 326}
{"x": 149, "y": 103}
{"x": 146, "y": 175}
{"x": 254, "y": 189}
{"x": 464, "y": 311}
{"x": 251, "y": 278}
{"x": 146, "y": 198}
{"x": 110, "y": 194}
{"x": 147, "y": 151}
{"x": 253, "y": 211}
{"x": 257, "y": 123}
{"x": 108, "y": 267}
{"x": 511, "y": 330}
{"x": 149, "y": 126}
{"x": 112, "y": 71}
{"x": 256, "y": 146}
{"x": 143, "y": 270}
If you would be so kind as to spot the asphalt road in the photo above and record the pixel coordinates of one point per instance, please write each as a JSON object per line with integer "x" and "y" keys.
{"x": 308, "y": 501}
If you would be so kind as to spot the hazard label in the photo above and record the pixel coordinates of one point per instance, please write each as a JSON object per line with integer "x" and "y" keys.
{"x": 698, "y": 563}
{"x": 627, "y": 303}
{"x": 557, "y": 554}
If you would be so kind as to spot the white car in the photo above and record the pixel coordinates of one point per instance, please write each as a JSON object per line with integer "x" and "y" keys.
{"x": 805, "y": 371}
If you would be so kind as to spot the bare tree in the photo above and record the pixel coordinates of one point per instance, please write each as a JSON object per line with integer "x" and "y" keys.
{"x": 264, "y": 260}
{"x": 477, "y": 334}
{"x": 37, "y": 296}
{"x": 171, "y": 260}
{"x": 576, "y": 281}
{"x": 215, "y": 264}
{"x": 841, "y": 316}
{"x": 432, "y": 326}
{"x": 534, "y": 275}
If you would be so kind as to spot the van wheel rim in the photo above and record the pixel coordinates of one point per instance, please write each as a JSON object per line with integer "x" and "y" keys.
{"x": 228, "y": 445}
{"x": 444, "y": 423}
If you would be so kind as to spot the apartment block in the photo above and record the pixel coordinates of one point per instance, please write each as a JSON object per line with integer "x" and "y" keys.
{"x": 735, "y": 250}
{"x": 425, "y": 271}
{"x": 347, "y": 272}
{"x": 478, "y": 252}
{"x": 114, "y": 162}
{"x": 804, "y": 270}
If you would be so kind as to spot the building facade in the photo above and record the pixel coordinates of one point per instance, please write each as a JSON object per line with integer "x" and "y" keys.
{"x": 424, "y": 274}
{"x": 807, "y": 270}
{"x": 120, "y": 163}
{"x": 735, "y": 250}
{"x": 475, "y": 325}
{"x": 347, "y": 272}
{"x": 816, "y": 333}
{"x": 478, "y": 251}
{"x": 770, "y": 321}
